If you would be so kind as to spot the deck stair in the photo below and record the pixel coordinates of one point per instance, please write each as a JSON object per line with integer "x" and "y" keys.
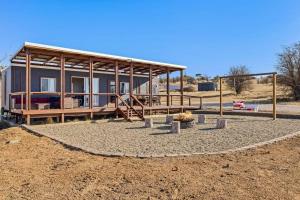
{"x": 128, "y": 112}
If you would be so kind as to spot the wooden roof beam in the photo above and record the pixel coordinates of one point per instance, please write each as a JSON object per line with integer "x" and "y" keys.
{"x": 50, "y": 60}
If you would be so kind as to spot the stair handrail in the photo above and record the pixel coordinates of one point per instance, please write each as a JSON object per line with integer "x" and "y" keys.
{"x": 140, "y": 104}
{"x": 124, "y": 102}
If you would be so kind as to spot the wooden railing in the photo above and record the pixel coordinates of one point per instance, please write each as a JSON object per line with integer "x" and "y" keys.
{"x": 20, "y": 101}
{"x": 15, "y": 94}
{"x": 126, "y": 116}
{"x": 141, "y": 105}
{"x": 22, "y": 96}
{"x": 173, "y": 96}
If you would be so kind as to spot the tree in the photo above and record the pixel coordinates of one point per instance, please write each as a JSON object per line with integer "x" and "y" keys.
{"x": 289, "y": 69}
{"x": 238, "y": 84}
{"x": 2, "y": 65}
{"x": 189, "y": 79}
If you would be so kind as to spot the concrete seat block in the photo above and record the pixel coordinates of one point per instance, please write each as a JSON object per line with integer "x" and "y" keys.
{"x": 149, "y": 123}
{"x": 221, "y": 123}
{"x": 175, "y": 127}
{"x": 201, "y": 119}
{"x": 169, "y": 119}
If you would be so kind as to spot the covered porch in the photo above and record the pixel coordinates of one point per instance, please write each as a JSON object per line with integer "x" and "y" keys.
{"x": 70, "y": 94}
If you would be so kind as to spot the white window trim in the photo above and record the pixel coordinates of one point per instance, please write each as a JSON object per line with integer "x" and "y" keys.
{"x": 47, "y": 79}
{"x": 125, "y": 87}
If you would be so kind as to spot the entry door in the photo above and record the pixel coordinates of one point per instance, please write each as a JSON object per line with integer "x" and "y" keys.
{"x": 86, "y": 90}
{"x": 96, "y": 97}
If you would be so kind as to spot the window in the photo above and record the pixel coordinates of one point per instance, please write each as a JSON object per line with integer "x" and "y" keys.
{"x": 48, "y": 85}
{"x": 112, "y": 87}
{"x": 124, "y": 87}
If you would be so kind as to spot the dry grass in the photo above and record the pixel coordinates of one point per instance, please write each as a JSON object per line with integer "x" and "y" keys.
{"x": 184, "y": 117}
{"x": 256, "y": 92}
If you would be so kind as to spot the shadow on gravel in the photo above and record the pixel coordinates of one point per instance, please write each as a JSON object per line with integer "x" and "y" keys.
{"x": 207, "y": 129}
{"x": 245, "y": 120}
{"x": 159, "y": 123}
{"x": 162, "y": 133}
{"x": 163, "y": 127}
{"x": 140, "y": 127}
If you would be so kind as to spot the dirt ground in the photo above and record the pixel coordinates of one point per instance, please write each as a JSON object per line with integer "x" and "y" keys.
{"x": 35, "y": 167}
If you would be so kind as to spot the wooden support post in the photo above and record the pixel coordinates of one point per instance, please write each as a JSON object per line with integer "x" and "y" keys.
{"x": 201, "y": 102}
{"x": 274, "y": 96}
{"x": 22, "y": 101}
{"x": 9, "y": 102}
{"x": 181, "y": 90}
{"x": 221, "y": 100}
{"x": 28, "y": 119}
{"x": 131, "y": 84}
{"x": 28, "y": 81}
{"x": 91, "y": 87}
{"x": 62, "y": 118}
{"x": 150, "y": 87}
{"x": 62, "y": 86}
{"x": 150, "y": 90}
{"x": 117, "y": 83}
{"x": 168, "y": 87}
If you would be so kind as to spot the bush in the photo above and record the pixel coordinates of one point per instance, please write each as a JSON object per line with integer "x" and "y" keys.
{"x": 189, "y": 89}
{"x": 4, "y": 125}
{"x": 49, "y": 120}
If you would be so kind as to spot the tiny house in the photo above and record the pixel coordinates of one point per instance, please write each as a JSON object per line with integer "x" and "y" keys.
{"x": 50, "y": 81}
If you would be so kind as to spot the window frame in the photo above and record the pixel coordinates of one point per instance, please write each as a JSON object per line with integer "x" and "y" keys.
{"x": 125, "y": 84}
{"x": 47, "y": 78}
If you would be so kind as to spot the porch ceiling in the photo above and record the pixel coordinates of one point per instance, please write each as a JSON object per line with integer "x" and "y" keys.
{"x": 50, "y": 56}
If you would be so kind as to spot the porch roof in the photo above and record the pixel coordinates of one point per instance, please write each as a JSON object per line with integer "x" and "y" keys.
{"x": 49, "y": 56}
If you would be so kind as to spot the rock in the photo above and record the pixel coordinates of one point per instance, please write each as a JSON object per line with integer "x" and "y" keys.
{"x": 221, "y": 123}
{"x": 225, "y": 166}
{"x": 13, "y": 141}
{"x": 169, "y": 119}
{"x": 149, "y": 123}
{"x": 174, "y": 168}
{"x": 201, "y": 119}
{"x": 175, "y": 127}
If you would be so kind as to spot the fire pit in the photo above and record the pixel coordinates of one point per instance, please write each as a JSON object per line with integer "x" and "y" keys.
{"x": 186, "y": 120}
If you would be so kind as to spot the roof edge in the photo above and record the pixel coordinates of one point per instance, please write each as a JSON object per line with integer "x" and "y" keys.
{"x": 91, "y": 53}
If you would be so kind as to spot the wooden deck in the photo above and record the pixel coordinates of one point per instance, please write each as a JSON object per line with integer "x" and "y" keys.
{"x": 98, "y": 110}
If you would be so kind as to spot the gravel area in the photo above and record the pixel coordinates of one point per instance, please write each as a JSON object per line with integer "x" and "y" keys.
{"x": 127, "y": 138}
{"x": 280, "y": 107}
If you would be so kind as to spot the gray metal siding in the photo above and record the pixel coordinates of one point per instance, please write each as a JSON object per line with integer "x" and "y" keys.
{"x": 19, "y": 76}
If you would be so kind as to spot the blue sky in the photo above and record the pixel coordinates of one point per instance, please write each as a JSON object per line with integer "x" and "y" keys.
{"x": 207, "y": 36}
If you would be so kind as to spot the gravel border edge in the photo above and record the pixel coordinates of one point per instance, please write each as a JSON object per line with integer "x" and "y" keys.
{"x": 120, "y": 154}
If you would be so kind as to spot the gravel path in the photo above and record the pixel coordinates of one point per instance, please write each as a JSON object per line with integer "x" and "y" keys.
{"x": 133, "y": 139}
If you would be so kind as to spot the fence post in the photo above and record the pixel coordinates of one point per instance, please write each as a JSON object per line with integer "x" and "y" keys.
{"x": 200, "y": 103}
{"x": 221, "y": 103}
{"x": 274, "y": 96}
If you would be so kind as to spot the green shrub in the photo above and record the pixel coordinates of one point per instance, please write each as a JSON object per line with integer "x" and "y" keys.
{"x": 4, "y": 125}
